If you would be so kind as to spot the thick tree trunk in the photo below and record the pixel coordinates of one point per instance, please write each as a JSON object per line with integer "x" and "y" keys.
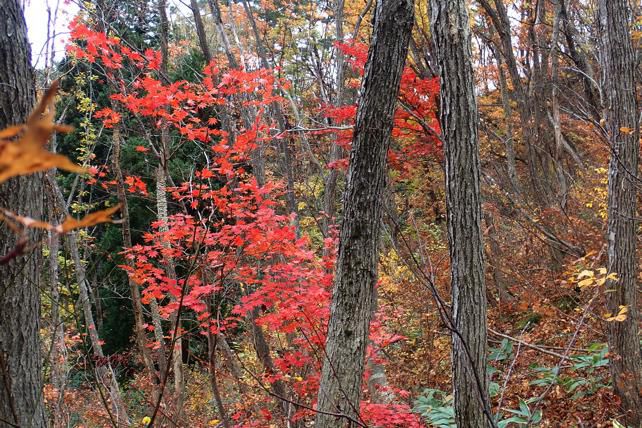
{"x": 20, "y": 363}
{"x": 354, "y": 294}
{"x": 620, "y": 112}
{"x": 458, "y": 111}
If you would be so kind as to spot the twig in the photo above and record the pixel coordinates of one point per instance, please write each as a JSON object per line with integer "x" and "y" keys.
{"x": 528, "y": 345}
{"x": 510, "y": 369}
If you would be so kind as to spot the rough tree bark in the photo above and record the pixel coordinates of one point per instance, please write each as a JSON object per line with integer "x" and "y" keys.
{"x": 20, "y": 363}
{"x": 459, "y": 120}
{"x": 620, "y": 112}
{"x": 354, "y": 294}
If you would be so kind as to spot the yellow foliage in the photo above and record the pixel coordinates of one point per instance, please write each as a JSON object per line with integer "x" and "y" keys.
{"x": 588, "y": 278}
{"x": 620, "y": 317}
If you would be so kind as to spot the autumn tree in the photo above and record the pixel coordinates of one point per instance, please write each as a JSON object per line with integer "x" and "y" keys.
{"x": 458, "y": 114}
{"x": 21, "y": 401}
{"x": 353, "y": 299}
{"x": 621, "y": 111}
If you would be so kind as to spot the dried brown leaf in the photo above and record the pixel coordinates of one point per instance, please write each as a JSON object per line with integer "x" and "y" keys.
{"x": 103, "y": 216}
{"x": 22, "y": 148}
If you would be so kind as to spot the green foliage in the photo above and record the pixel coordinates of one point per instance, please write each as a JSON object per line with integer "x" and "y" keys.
{"x": 523, "y": 416}
{"x": 502, "y": 352}
{"x": 436, "y": 407}
{"x": 584, "y": 379}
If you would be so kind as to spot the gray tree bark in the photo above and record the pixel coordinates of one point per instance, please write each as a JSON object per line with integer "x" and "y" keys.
{"x": 20, "y": 360}
{"x": 459, "y": 121}
{"x": 354, "y": 294}
{"x": 620, "y": 111}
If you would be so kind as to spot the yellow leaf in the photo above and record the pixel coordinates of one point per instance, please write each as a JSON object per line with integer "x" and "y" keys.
{"x": 585, "y": 282}
{"x": 616, "y": 424}
{"x": 602, "y": 271}
{"x": 146, "y": 420}
{"x": 586, "y": 274}
{"x": 621, "y": 316}
{"x": 213, "y": 422}
{"x": 22, "y": 148}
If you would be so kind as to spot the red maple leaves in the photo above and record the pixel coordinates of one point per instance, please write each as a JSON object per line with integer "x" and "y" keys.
{"x": 235, "y": 247}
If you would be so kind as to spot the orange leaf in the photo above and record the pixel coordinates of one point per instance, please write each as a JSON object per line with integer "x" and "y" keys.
{"x": 626, "y": 130}
{"x": 103, "y": 216}
{"x": 13, "y": 220}
{"x": 27, "y": 154}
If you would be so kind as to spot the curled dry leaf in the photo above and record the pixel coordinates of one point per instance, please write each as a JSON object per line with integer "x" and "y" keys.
{"x": 103, "y": 216}
{"x": 22, "y": 148}
{"x": 16, "y": 222}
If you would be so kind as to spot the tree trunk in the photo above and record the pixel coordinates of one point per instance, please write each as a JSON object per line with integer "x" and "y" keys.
{"x": 458, "y": 114}
{"x": 200, "y": 31}
{"x": 496, "y": 255}
{"x": 105, "y": 376}
{"x": 222, "y": 35}
{"x": 211, "y": 349}
{"x": 141, "y": 336}
{"x": 579, "y": 58}
{"x": 20, "y": 363}
{"x": 284, "y": 144}
{"x": 162, "y": 214}
{"x": 620, "y": 112}
{"x": 170, "y": 270}
{"x": 330, "y": 184}
{"x": 354, "y": 293}
{"x": 58, "y": 353}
